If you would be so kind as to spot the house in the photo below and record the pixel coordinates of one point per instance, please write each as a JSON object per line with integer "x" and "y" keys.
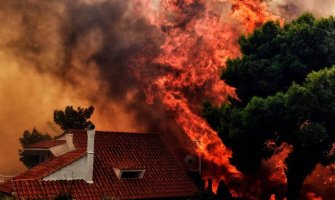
{"x": 43, "y": 151}
{"x": 104, "y": 165}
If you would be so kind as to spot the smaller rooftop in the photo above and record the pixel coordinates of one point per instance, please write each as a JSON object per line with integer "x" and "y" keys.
{"x": 46, "y": 144}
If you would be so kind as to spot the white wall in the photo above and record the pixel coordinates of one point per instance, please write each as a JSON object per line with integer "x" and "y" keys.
{"x": 76, "y": 170}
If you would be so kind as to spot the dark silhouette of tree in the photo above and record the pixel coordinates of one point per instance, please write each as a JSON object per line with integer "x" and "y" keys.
{"x": 30, "y": 138}
{"x": 223, "y": 192}
{"x": 204, "y": 195}
{"x": 277, "y": 102}
{"x": 67, "y": 119}
{"x": 73, "y": 119}
{"x": 33, "y": 137}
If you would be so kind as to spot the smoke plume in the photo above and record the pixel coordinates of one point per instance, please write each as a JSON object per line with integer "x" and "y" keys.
{"x": 82, "y": 52}
{"x": 58, "y": 53}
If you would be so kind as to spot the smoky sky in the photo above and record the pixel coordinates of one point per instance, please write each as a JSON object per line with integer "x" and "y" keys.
{"x": 55, "y": 33}
{"x": 70, "y": 40}
{"x": 80, "y": 52}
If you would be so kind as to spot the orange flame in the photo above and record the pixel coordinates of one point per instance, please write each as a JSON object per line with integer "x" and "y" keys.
{"x": 199, "y": 37}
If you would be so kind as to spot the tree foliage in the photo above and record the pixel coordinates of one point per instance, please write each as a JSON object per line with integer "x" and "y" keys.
{"x": 33, "y": 137}
{"x": 274, "y": 56}
{"x": 73, "y": 119}
{"x": 67, "y": 119}
{"x": 278, "y": 103}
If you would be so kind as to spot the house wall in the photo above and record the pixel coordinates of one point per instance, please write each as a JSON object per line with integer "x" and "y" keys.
{"x": 60, "y": 149}
{"x": 68, "y": 137}
{"x": 76, "y": 170}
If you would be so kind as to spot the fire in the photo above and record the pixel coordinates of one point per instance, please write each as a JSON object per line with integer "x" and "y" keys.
{"x": 276, "y": 164}
{"x": 176, "y": 50}
{"x": 200, "y": 35}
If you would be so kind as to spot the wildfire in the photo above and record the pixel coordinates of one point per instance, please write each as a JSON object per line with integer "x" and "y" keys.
{"x": 173, "y": 50}
{"x": 199, "y": 37}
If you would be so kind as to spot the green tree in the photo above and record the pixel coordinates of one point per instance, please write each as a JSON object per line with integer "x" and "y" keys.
{"x": 277, "y": 102}
{"x": 275, "y": 56}
{"x": 73, "y": 119}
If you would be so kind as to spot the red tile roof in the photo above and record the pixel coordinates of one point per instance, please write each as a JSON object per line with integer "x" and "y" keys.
{"x": 163, "y": 177}
{"x": 50, "y": 166}
{"x": 6, "y": 187}
{"x": 44, "y": 169}
{"x": 46, "y": 144}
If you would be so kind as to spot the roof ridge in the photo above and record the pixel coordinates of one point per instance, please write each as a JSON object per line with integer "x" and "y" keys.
{"x": 25, "y": 179}
{"x": 47, "y": 143}
{"x": 116, "y": 131}
{"x": 128, "y": 132}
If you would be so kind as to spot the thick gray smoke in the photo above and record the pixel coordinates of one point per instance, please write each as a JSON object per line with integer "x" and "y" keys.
{"x": 69, "y": 39}
{"x": 56, "y": 53}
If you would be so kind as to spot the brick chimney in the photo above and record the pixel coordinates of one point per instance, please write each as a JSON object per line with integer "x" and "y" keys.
{"x": 90, "y": 154}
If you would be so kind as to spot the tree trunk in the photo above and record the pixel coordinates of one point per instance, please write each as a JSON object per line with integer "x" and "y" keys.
{"x": 299, "y": 164}
{"x": 294, "y": 185}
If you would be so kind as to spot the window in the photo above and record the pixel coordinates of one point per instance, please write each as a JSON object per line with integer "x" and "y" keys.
{"x": 129, "y": 173}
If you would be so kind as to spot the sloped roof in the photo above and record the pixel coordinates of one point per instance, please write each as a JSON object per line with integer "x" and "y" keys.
{"x": 43, "y": 169}
{"x": 6, "y": 187}
{"x": 46, "y": 144}
{"x": 50, "y": 166}
{"x": 163, "y": 177}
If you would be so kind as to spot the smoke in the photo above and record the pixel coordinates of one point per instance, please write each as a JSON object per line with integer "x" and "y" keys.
{"x": 27, "y": 100}
{"x": 294, "y": 8}
{"x": 57, "y": 53}
{"x": 146, "y": 65}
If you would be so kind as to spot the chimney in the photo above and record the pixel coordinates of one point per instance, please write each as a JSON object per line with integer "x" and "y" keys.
{"x": 69, "y": 141}
{"x": 90, "y": 153}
